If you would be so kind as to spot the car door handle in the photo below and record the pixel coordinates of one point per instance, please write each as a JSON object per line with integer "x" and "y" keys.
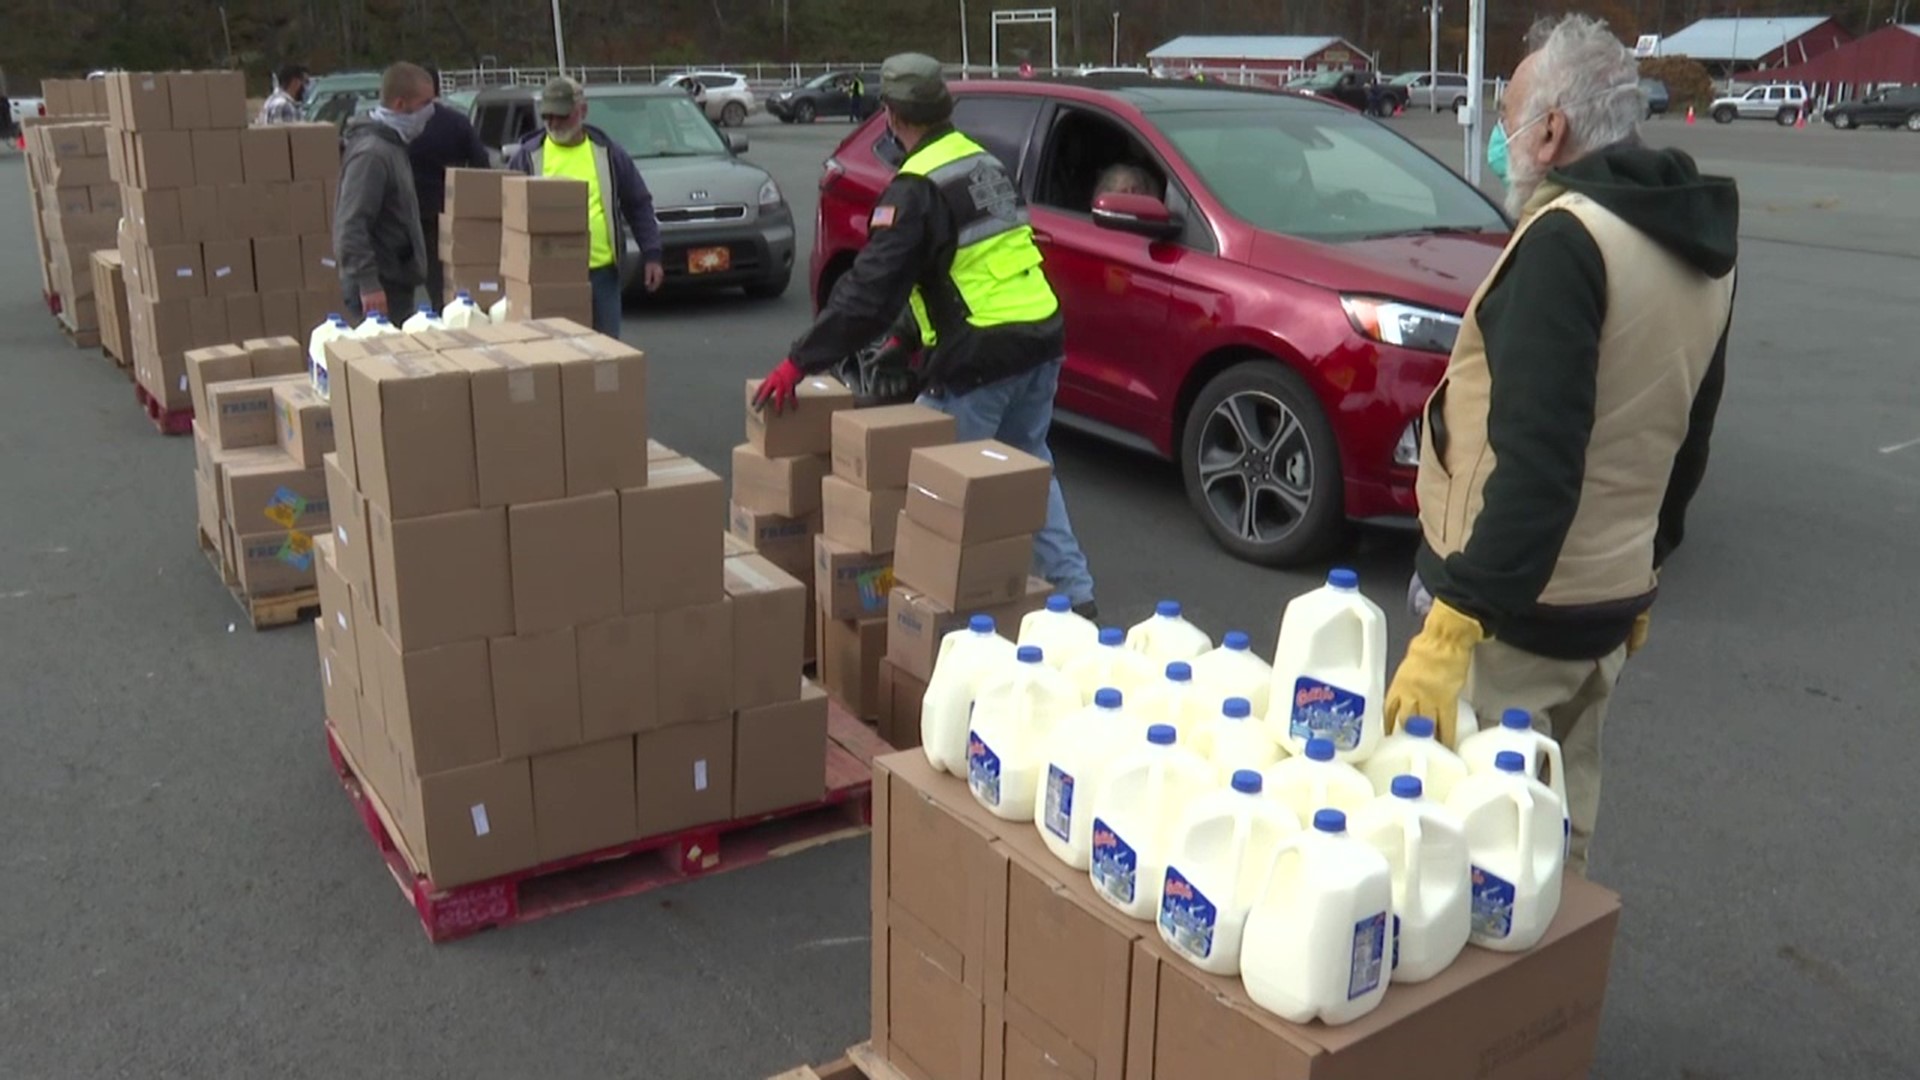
{"x": 1042, "y": 237}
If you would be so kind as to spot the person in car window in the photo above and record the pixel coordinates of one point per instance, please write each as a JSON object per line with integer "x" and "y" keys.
{"x": 950, "y": 262}
{"x": 1126, "y": 179}
{"x": 1561, "y": 449}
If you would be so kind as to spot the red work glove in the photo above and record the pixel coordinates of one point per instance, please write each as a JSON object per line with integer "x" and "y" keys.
{"x": 778, "y": 388}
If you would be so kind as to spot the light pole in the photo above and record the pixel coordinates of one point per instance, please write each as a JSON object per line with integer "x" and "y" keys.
{"x": 559, "y": 40}
{"x": 1470, "y": 117}
{"x": 1116, "y": 39}
{"x": 1433, "y": 56}
{"x": 965, "y": 62}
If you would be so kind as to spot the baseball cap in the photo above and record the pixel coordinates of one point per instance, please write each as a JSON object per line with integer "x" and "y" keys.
{"x": 912, "y": 78}
{"x": 560, "y": 97}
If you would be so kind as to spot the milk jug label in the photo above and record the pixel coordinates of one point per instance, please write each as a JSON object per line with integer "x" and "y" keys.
{"x": 1114, "y": 863}
{"x": 1492, "y": 905}
{"x": 1396, "y": 943}
{"x": 983, "y": 770}
{"x": 1324, "y": 711}
{"x": 1187, "y": 916}
{"x": 1057, "y": 815}
{"x": 1369, "y": 950}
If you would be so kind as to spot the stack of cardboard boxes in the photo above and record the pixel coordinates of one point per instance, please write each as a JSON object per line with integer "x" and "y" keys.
{"x": 470, "y": 235}
{"x": 259, "y": 432}
{"x": 76, "y": 212}
{"x": 544, "y": 248}
{"x": 853, "y": 556}
{"x": 532, "y": 643}
{"x": 992, "y": 960}
{"x": 226, "y": 231}
{"x": 964, "y": 546}
{"x": 110, "y": 305}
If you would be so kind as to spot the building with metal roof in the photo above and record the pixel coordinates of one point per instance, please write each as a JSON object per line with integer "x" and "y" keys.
{"x": 1736, "y": 45}
{"x": 1275, "y": 56}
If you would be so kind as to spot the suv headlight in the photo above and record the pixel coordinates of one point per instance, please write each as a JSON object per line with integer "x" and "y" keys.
{"x": 770, "y": 194}
{"x": 1409, "y": 326}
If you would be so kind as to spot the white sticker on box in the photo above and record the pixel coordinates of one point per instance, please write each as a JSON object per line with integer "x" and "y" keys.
{"x": 223, "y": 271}
{"x": 341, "y": 617}
{"x": 326, "y": 668}
{"x": 489, "y": 286}
{"x": 327, "y": 262}
{"x": 185, "y": 271}
{"x": 480, "y": 826}
{"x": 340, "y": 531}
{"x": 183, "y": 382}
{"x": 520, "y": 387}
{"x": 606, "y": 377}
{"x": 700, "y": 775}
{"x": 995, "y": 455}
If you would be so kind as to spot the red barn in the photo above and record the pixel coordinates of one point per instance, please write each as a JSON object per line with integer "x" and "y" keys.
{"x": 1269, "y": 59}
{"x": 1736, "y": 46}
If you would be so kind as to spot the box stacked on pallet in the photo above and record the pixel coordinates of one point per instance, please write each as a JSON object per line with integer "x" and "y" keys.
{"x": 853, "y": 556}
{"x": 110, "y": 302}
{"x": 545, "y": 248}
{"x": 532, "y": 643}
{"x": 470, "y": 235}
{"x": 226, "y": 230}
{"x": 76, "y": 212}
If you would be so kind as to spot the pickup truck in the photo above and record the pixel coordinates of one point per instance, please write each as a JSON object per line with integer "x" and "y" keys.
{"x": 1355, "y": 89}
{"x": 20, "y": 108}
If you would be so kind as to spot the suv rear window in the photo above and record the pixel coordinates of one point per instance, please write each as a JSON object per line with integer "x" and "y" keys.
{"x": 1003, "y": 123}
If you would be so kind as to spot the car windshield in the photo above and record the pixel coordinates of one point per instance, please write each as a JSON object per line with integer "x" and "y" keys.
{"x": 1409, "y": 79}
{"x": 657, "y": 126}
{"x": 1315, "y": 82}
{"x": 821, "y": 81}
{"x": 1324, "y": 174}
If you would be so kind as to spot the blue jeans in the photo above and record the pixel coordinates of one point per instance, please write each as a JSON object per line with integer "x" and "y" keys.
{"x": 606, "y": 299}
{"x": 1018, "y": 411}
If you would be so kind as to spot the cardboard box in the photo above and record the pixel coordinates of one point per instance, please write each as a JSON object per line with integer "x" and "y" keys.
{"x": 850, "y": 583}
{"x": 583, "y": 798}
{"x": 974, "y": 492}
{"x": 319, "y": 269}
{"x": 244, "y": 319}
{"x": 566, "y": 561}
{"x": 336, "y": 607}
{"x": 305, "y": 429}
{"x": 481, "y": 281}
{"x": 670, "y": 552}
{"x": 917, "y": 622}
{"x": 272, "y": 491}
{"x": 442, "y": 578}
{"x": 786, "y": 542}
{"x": 543, "y": 258}
{"x": 469, "y": 240}
{"x": 603, "y": 398}
{"x": 541, "y": 300}
{"x": 240, "y": 411}
{"x": 536, "y": 691}
{"x": 769, "y": 628}
{"x": 347, "y": 510}
{"x": 145, "y": 105}
{"x": 226, "y": 99}
{"x": 901, "y": 696}
{"x": 733, "y": 547}
{"x": 271, "y": 563}
{"x": 807, "y": 429}
{"x": 693, "y": 663}
{"x": 222, "y": 212}
{"x": 438, "y": 702}
{"x": 780, "y": 754}
{"x": 860, "y": 518}
{"x": 106, "y": 199}
{"x": 412, "y": 443}
{"x": 174, "y": 273}
{"x": 218, "y": 364}
{"x": 684, "y": 776}
{"x": 280, "y": 314}
{"x": 473, "y": 823}
{"x": 850, "y": 654}
{"x": 264, "y": 157}
{"x": 786, "y": 486}
{"x": 315, "y": 149}
{"x": 154, "y": 216}
{"x": 544, "y": 204}
{"x": 308, "y": 212}
{"x": 277, "y": 265}
{"x": 216, "y": 158}
{"x": 229, "y": 267}
{"x": 516, "y": 426}
{"x": 164, "y": 158}
{"x": 275, "y": 355}
{"x": 338, "y": 695}
{"x": 873, "y": 447}
{"x": 960, "y": 577}
{"x": 617, "y": 680}
{"x": 187, "y": 94}
{"x": 475, "y": 194}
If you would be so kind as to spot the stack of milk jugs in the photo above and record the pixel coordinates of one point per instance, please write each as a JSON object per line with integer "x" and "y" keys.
{"x": 460, "y": 313}
{"x": 1257, "y": 812}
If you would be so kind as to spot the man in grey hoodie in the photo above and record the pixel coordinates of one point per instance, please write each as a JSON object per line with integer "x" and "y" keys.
{"x": 377, "y": 239}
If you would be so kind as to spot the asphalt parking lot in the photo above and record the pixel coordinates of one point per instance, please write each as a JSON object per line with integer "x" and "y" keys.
{"x": 185, "y": 893}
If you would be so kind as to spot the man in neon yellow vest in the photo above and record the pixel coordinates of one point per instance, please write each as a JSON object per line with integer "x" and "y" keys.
{"x": 949, "y": 244}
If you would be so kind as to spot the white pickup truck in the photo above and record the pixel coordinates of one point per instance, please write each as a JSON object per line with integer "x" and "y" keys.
{"x": 20, "y": 108}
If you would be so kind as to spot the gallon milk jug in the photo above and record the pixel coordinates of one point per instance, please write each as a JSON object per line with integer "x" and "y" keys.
{"x": 1316, "y": 941}
{"x": 1164, "y": 635}
{"x": 1232, "y": 670}
{"x": 424, "y": 319}
{"x": 1517, "y": 852}
{"x": 1426, "y": 849}
{"x": 945, "y": 713}
{"x": 1060, "y": 633}
{"x": 1174, "y": 700}
{"x": 1226, "y": 841}
{"x": 1413, "y": 751}
{"x": 1013, "y": 717}
{"x": 1240, "y": 740}
{"x": 498, "y": 312}
{"x": 461, "y": 312}
{"x": 330, "y": 329}
{"x": 1077, "y": 756}
{"x": 1330, "y": 669}
{"x": 1111, "y": 663}
{"x": 1315, "y": 781}
{"x": 1136, "y": 819}
{"x": 375, "y": 325}
{"x": 1516, "y": 733}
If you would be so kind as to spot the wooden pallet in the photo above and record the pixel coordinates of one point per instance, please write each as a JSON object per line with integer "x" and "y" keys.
{"x": 628, "y": 869}
{"x": 263, "y": 612}
{"x": 166, "y": 421}
{"x": 860, "y": 1063}
{"x": 81, "y": 339}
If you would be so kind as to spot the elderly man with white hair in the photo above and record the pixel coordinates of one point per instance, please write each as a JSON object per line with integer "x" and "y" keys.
{"x": 1560, "y": 452}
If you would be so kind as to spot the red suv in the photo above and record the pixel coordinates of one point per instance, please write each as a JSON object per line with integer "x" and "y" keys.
{"x": 1273, "y": 313}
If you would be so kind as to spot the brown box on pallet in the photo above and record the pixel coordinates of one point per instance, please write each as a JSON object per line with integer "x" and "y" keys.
{"x": 336, "y": 608}
{"x": 438, "y": 702}
{"x": 264, "y": 156}
{"x": 786, "y": 542}
{"x": 305, "y": 428}
{"x": 308, "y": 211}
{"x": 154, "y": 216}
{"x": 244, "y": 319}
{"x": 917, "y": 622}
{"x": 240, "y": 411}
{"x": 315, "y": 149}
{"x": 584, "y": 798}
{"x": 275, "y": 355}
{"x": 187, "y": 97}
{"x": 872, "y": 448}
{"x": 603, "y": 396}
{"x": 229, "y": 267}
{"x": 280, "y": 314}
{"x": 769, "y": 630}
{"x": 850, "y": 653}
{"x": 475, "y": 194}
{"x": 543, "y": 204}
{"x": 226, "y": 99}
{"x": 780, "y": 753}
{"x": 693, "y": 662}
{"x": 517, "y": 439}
{"x": 217, "y": 364}
{"x": 215, "y": 212}
{"x": 684, "y": 775}
{"x": 482, "y": 281}
{"x": 901, "y": 695}
{"x": 670, "y": 550}
{"x": 270, "y": 563}
{"x": 850, "y": 584}
{"x": 277, "y": 265}
{"x": 473, "y": 823}
{"x": 536, "y": 691}
{"x": 347, "y": 509}
{"x": 174, "y": 272}
{"x": 470, "y": 240}
{"x": 861, "y": 518}
{"x": 338, "y": 695}
{"x": 543, "y": 258}
{"x": 971, "y": 493}
{"x": 961, "y": 577}
{"x": 319, "y": 269}
{"x": 164, "y": 158}
{"x": 274, "y": 492}
{"x": 216, "y": 158}
{"x": 412, "y": 444}
{"x": 442, "y": 578}
{"x": 785, "y": 486}
{"x": 617, "y": 676}
{"x": 566, "y": 561}
{"x": 804, "y": 430}
{"x": 543, "y": 300}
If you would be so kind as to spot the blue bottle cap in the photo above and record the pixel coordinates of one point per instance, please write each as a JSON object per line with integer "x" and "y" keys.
{"x": 1161, "y": 734}
{"x": 1517, "y": 720}
{"x": 463, "y": 295}
{"x": 1059, "y": 603}
{"x": 1167, "y": 609}
{"x": 1180, "y": 671}
{"x": 1237, "y": 640}
{"x": 1112, "y": 635}
{"x": 334, "y": 316}
{"x": 1407, "y": 787}
{"x": 1246, "y": 781}
{"x": 426, "y": 309}
{"x": 981, "y": 624}
{"x": 1330, "y": 821}
{"x": 1420, "y": 727}
{"x": 1236, "y": 708}
{"x": 1106, "y": 698}
{"x": 1029, "y": 654}
{"x": 1319, "y": 749}
{"x": 1510, "y": 761}
{"x": 1343, "y": 578}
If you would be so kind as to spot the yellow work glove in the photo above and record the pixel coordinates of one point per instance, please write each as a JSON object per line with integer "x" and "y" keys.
{"x": 1434, "y": 673}
{"x": 1637, "y": 637}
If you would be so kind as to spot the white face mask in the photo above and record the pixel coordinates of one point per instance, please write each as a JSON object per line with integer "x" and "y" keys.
{"x": 408, "y": 125}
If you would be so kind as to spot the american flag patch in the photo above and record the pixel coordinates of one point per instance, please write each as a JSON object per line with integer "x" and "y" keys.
{"x": 882, "y": 217}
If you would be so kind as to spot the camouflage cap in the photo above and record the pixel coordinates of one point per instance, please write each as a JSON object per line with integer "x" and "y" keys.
{"x": 912, "y": 79}
{"x": 560, "y": 97}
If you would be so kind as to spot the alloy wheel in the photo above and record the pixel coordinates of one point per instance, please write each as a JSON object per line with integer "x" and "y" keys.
{"x": 1256, "y": 466}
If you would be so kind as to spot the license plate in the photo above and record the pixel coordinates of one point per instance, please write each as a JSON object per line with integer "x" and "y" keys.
{"x": 711, "y": 260}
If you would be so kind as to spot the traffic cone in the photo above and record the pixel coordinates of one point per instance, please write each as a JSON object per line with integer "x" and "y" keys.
{"x": 1800, "y": 121}
{"x": 1689, "y": 114}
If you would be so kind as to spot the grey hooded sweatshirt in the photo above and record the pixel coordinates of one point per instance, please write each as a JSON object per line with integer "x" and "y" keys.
{"x": 376, "y": 224}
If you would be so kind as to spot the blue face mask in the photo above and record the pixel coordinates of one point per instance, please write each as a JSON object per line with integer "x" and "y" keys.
{"x": 1497, "y": 150}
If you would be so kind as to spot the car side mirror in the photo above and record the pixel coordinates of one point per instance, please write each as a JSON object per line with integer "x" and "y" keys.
{"x": 1142, "y": 215}
{"x": 736, "y": 142}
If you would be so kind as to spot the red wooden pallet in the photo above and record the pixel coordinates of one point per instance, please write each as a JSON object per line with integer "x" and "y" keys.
{"x": 167, "y": 421}
{"x": 632, "y": 868}
{"x": 53, "y": 303}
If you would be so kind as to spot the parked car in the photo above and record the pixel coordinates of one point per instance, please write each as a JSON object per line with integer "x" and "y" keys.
{"x": 1429, "y": 90}
{"x": 1354, "y": 89}
{"x": 1899, "y": 107}
{"x": 339, "y": 97}
{"x": 724, "y": 95}
{"x": 1274, "y": 322}
{"x": 1779, "y": 102}
{"x": 724, "y": 221}
{"x": 824, "y": 95}
{"x": 1657, "y": 98}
